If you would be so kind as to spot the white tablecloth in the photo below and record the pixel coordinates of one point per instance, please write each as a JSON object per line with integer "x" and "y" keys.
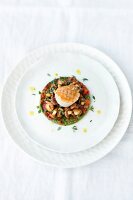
{"x": 24, "y": 28}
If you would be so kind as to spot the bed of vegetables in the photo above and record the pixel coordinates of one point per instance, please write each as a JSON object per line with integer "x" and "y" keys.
{"x": 64, "y": 115}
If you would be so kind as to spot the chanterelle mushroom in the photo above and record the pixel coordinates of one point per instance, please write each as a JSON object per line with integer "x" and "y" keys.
{"x": 49, "y": 106}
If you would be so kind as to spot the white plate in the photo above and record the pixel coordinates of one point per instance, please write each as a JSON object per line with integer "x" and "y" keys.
{"x": 37, "y": 151}
{"x": 101, "y": 85}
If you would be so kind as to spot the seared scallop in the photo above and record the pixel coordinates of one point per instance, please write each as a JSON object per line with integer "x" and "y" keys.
{"x": 67, "y": 95}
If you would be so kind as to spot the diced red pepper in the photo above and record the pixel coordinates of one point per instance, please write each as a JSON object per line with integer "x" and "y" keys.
{"x": 49, "y": 115}
{"x": 87, "y": 102}
{"x": 42, "y": 96}
{"x": 85, "y": 91}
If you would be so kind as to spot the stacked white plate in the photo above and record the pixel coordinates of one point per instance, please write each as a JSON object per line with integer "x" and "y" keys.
{"x": 97, "y": 133}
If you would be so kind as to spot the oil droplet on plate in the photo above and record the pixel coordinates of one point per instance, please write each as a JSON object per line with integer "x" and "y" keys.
{"x": 78, "y": 71}
{"x": 98, "y": 112}
{"x": 56, "y": 74}
{"x": 31, "y": 113}
{"x": 84, "y": 130}
{"x": 32, "y": 88}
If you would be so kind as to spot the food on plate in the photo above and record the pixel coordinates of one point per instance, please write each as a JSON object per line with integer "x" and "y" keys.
{"x": 65, "y": 100}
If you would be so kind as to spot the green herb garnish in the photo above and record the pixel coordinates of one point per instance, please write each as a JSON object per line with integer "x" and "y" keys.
{"x": 91, "y": 108}
{"x": 51, "y": 90}
{"x": 39, "y": 92}
{"x": 91, "y": 120}
{"x": 39, "y": 109}
{"x": 54, "y": 81}
{"x": 55, "y": 120}
{"x": 71, "y": 121}
{"x": 85, "y": 79}
{"x": 94, "y": 97}
{"x": 80, "y": 117}
{"x": 33, "y": 94}
{"x": 62, "y": 78}
{"x": 74, "y": 128}
{"x": 87, "y": 96}
{"x": 48, "y": 74}
{"x": 59, "y": 128}
{"x": 64, "y": 120}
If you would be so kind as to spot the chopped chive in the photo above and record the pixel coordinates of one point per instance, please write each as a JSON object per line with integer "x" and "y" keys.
{"x": 55, "y": 120}
{"x": 39, "y": 109}
{"x": 39, "y": 92}
{"x": 74, "y": 128}
{"x": 91, "y": 120}
{"x": 85, "y": 79}
{"x": 51, "y": 90}
{"x": 48, "y": 74}
{"x": 93, "y": 97}
{"x": 87, "y": 96}
{"x": 59, "y": 128}
{"x": 63, "y": 78}
{"x": 91, "y": 108}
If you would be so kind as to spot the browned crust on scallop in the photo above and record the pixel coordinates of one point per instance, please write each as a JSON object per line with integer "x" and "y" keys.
{"x": 68, "y": 93}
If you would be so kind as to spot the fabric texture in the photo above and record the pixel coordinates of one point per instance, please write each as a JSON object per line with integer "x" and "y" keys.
{"x": 24, "y": 28}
